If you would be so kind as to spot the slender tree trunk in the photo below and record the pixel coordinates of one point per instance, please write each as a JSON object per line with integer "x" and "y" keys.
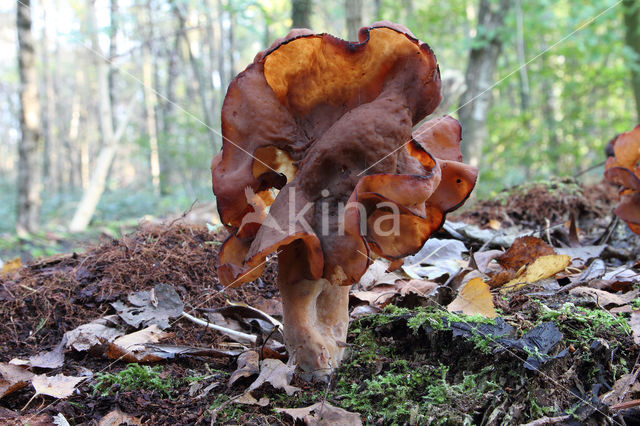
{"x": 195, "y": 68}
{"x": 49, "y": 117}
{"x": 300, "y": 13}
{"x": 109, "y": 139}
{"x": 377, "y": 9}
{"x": 224, "y": 81}
{"x": 632, "y": 38}
{"x": 475, "y": 102}
{"x": 353, "y": 14}
{"x": 520, "y": 48}
{"x": 231, "y": 46}
{"x": 30, "y": 149}
{"x": 150, "y": 102}
{"x": 113, "y": 51}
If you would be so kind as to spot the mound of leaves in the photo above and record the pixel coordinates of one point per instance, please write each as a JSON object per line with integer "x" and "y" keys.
{"x": 540, "y": 204}
{"x": 46, "y": 298}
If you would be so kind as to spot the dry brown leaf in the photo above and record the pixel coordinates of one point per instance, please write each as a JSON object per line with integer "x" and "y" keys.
{"x": 248, "y": 365}
{"x": 58, "y": 386}
{"x": 483, "y": 259}
{"x": 605, "y": 298}
{"x": 117, "y": 417}
{"x": 474, "y": 298}
{"x": 419, "y": 287}
{"x": 543, "y": 267}
{"x": 47, "y": 359}
{"x": 322, "y": 413}
{"x": 378, "y": 296}
{"x": 131, "y": 347}
{"x": 11, "y": 266}
{"x": 9, "y": 417}
{"x": 622, "y": 390}
{"x": 524, "y": 250}
{"x": 634, "y": 323}
{"x": 13, "y": 378}
{"x": 86, "y": 336}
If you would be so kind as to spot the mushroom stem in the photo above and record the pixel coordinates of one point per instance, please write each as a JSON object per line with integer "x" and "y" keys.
{"x": 316, "y": 318}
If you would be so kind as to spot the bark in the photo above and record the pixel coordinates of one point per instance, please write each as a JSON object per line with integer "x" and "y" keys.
{"x": 300, "y": 13}
{"x": 475, "y": 102}
{"x": 377, "y": 9}
{"x": 353, "y": 13}
{"x": 231, "y": 46}
{"x": 632, "y": 39}
{"x": 30, "y": 148}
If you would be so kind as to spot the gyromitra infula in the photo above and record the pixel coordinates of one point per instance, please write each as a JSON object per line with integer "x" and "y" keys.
{"x": 623, "y": 168}
{"x": 319, "y": 165}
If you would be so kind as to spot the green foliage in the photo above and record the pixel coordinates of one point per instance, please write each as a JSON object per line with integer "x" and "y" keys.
{"x": 133, "y": 377}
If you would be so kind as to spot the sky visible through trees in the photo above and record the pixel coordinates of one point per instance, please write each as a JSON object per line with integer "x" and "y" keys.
{"x": 561, "y": 89}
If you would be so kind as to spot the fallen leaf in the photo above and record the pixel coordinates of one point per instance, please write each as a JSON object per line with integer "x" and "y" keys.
{"x": 543, "y": 267}
{"x": 131, "y": 347}
{"x": 474, "y": 298}
{"x": 117, "y": 417}
{"x": 623, "y": 273}
{"x": 634, "y": 323}
{"x": 13, "y": 378}
{"x": 363, "y": 310}
{"x": 11, "y": 266}
{"x": 248, "y": 365}
{"x": 378, "y": 296}
{"x": 524, "y": 250}
{"x": 483, "y": 259}
{"x": 89, "y": 335}
{"x": 58, "y": 386}
{"x": 582, "y": 254}
{"x": 444, "y": 256}
{"x": 420, "y": 287}
{"x": 60, "y": 420}
{"x": 47, "y": 359}
{"x": 277, "y": 374}
{"x": 9, "y": 417}
{"x": 155, "y": 306}
{"x": 626, "y": 385}
{"x": 605, "y": 298}
{"x": 322, "y": 413}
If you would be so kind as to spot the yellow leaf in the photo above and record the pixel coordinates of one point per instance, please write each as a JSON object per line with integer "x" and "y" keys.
{"x": 474, "y": 298}
{"x": 58, "y": 386}
{"x": 543, "y": 267}
{"x": 11, "y": 266}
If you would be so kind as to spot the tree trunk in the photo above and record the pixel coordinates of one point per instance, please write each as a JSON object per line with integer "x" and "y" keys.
{"x": 150, "y": 102}
{"x": 475, "y": 102}
{"x": 300, "y": 13}
{"x": 92, "y": 193}
{"x": 224, "y": 81}
{"x": 520, "y": 48}
{"x": 113, "y": 51}
{"x": 632, "y": 39}
{"x": 30, "y": 149}
{"x": 353, "y": 13}
{"x": 50, "y": 169}
{"x": 196, "y": 68}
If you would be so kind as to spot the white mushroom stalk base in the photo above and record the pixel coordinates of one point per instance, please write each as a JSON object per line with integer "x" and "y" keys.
{"x": 316, "y": 319}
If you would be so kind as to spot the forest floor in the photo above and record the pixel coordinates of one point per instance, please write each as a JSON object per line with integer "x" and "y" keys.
{"x": 562, "y": 349}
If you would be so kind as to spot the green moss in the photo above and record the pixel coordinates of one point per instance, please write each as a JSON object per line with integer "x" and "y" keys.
{"x": 133, "y": 377}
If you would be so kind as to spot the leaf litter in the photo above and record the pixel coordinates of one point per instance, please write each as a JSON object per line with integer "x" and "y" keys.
{"x": 538, "y": 326}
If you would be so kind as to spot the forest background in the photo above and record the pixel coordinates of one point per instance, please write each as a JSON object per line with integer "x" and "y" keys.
{"x": 111, "y": 108}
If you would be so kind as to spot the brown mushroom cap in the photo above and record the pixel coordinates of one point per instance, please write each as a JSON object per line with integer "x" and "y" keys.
{"x": 623, "y": 168}
{"x": 326, "y": 122}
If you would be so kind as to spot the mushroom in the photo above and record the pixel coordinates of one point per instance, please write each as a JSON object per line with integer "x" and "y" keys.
{"x": 319, "y": 166}
{"x": 623, "y": 168}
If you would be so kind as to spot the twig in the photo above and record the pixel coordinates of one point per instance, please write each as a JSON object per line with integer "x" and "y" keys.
{"x": 267, "y": 339}
{"x": 542, "y": 421}
{"x": 237, "y": 335}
